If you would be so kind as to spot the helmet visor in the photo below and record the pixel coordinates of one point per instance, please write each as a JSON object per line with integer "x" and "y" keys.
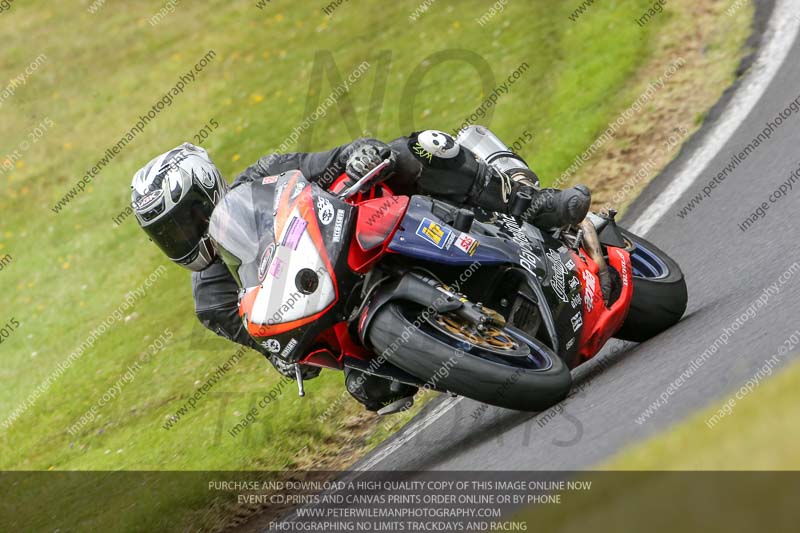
{"x": 179, "y": 232}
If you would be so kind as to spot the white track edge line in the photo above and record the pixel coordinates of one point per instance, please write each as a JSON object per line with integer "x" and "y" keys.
{"x": 781, "y": 32}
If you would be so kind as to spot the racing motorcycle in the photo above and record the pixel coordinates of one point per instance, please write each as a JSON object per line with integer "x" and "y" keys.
{"x": 429, "y": 294}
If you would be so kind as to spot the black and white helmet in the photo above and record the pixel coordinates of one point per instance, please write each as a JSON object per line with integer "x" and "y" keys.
{"x": 173, "y": 197}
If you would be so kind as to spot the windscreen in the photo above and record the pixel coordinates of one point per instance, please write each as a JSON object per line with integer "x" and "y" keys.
{"x": 242, "y": 228}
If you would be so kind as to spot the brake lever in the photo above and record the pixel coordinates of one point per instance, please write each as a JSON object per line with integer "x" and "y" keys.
{"x": 356, "y": 187}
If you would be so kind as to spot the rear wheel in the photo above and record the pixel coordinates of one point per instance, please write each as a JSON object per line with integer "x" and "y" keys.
{"x": 500, "y": 366}
{"x": 659, "y": 291}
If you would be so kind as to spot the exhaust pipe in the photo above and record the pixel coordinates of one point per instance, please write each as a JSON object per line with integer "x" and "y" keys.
{"x": 494, "y": 152}
{"x": 592, "y": 243}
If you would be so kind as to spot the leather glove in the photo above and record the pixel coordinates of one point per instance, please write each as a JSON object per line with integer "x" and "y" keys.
{"x": 365, "y": 158}
{"x": 287, "y": 369}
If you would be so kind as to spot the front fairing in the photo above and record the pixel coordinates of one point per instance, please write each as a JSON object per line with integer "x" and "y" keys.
{"x": 283, "y": 240}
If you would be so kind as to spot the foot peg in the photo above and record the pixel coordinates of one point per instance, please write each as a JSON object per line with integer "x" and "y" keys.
{"x": 298, "y": 372}
{"x": 592, "y": 243}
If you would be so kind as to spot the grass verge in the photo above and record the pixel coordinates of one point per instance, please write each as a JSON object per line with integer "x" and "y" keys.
{"x": 729, "y": 476}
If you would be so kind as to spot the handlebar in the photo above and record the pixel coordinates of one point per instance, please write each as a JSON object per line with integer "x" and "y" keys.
{"x": 357, "y": 186}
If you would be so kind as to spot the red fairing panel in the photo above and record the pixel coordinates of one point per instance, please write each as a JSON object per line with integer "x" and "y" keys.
{"x": 376, "y": 224}
{"x": 339, "y": 344}
{"x": 600, "y": 323}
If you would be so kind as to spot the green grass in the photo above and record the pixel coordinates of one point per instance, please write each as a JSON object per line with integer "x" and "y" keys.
{"x": 653, "y": 485}
{"x": 72, "y": 269}
{"x": 757, "y": 433}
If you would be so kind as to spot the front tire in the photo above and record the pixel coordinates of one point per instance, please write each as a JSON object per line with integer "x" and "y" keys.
{"x": 659, "y": 291}
{"x": 531, "y": 382}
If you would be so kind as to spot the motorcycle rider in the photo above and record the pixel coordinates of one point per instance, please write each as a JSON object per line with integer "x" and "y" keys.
{"x": 174, "y": 195}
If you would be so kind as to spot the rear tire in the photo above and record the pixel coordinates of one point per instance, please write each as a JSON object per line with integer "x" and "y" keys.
{"x": 514, "y": 384}
{"x": 659, "y": 293}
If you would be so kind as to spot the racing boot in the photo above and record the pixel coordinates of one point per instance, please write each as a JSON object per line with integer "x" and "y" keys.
{"x": 377, "y": 394}
{"x": 552, "y": 208}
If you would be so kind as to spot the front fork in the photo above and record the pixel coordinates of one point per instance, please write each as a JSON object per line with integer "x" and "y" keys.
{"x": 431, "y": 295}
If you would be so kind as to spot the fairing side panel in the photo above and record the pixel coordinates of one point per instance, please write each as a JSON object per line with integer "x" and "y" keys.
{"x": 422, "y": 235}
{"x": 600, "y": 323}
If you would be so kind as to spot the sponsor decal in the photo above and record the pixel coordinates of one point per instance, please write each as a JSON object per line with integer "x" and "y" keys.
{"x": 324, "y": 210}
{"x": 272, "y": 345}
{"x": 297, "y": 190}
{"x": 573, "y": 282}
{"x": 276, "y": 268}
{"x": 435, "y": 234}
{"x": 577, "y": 322}
{"x": 570, "y": 343}
{"x": 570, "y": 264}
{"x": 287, "y": 351}
{"x": 438, "y": 143}
{"x": 527, "y": 257}
{"x": 339, "y": 227}
{"x": 467, "y": 244}
{"x": 269, "y": 180}
{"x": 421, "y": 152}
{"x": 557, "y": 280}
{"x": 295, "y": 230}
{"x": 588, "y": 295}
{"x": 149, "y": 199}
{"x": 624, "y": 262}
{"x": 576, "y": 301}
{"x": 264, "y": 263}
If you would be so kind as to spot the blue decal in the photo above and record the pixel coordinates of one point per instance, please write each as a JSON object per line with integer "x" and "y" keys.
{"x": 435, "y": 234}
{"x": 410, "y": 240}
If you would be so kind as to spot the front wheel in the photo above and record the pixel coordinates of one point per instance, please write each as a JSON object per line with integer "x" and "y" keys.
{"x": 659, "y": 291}
{"x": 501, "y": 367}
